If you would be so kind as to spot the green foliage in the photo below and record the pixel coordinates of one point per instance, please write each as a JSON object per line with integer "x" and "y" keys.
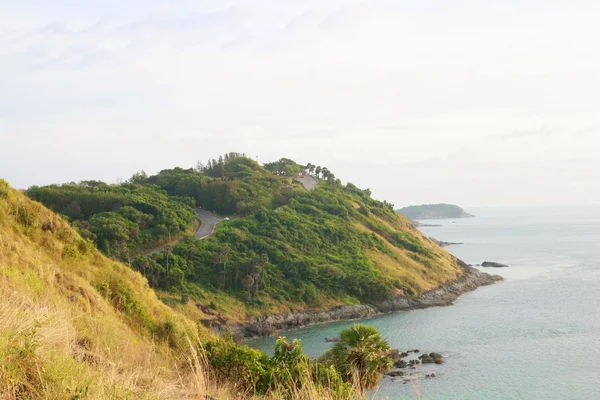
{"x": 4, "y": 188}
{"x": 284, "y": 167}
{"x": 284, "y": 374}
{"x": 248, "y": 368}
{"x": 306, "y": 251}
{"x": 118, "y": 218}
{"x": 291, "y": 369}
{"x": 361, "y": 355}
{"x": 290, "y": 246}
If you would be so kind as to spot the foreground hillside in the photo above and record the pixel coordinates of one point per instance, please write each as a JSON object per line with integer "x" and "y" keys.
{"x": 74, "y": 324}
{"x": 284, "y": 248}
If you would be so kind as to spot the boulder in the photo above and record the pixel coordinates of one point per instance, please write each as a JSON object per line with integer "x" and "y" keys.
{"x": 403, "y": 354}
{"x": 400, "y": 364}
{"x": 426, "y": 359}
{"x": 493, "y": 264}
{"x": 437, "y": 358}
{"x": 414, "y": 362}
{"x": 395, "y": 372}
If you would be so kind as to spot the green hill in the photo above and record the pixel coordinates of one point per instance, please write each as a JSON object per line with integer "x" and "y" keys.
{"x": 285, "y": 248}
{"x": 75, "y": 324}
{"x": 433, "y": 211}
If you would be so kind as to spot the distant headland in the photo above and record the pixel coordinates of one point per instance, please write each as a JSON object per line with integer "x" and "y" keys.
{"x": 434, "y": 211}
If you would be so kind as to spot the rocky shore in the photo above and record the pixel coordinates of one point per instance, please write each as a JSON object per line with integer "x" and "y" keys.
{"x": 442, "y": 243}
{"x": 445, "y": 295}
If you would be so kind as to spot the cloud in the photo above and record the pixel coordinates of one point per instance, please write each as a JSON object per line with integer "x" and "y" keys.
{"x": 330, "y": 82}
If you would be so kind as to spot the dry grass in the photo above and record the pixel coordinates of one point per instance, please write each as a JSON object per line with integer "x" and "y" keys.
{"x": 61, "y": 336}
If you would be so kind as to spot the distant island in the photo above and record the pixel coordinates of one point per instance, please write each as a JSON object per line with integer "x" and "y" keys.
{"x": 434, "y": 211}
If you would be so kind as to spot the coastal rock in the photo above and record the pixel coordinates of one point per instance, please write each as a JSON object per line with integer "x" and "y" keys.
{"x": 414, "y": 362}
{"x": 431, "y": 358}
{"x": 444, "y": 295}
{"x": 400, "y": 364}
{"x": 493, "y": 264}
{"x": 395, "y": 372}
{"x": 442, "y": 243}
{"x": 437, "y": 358}
{"x": 426, "y": 359}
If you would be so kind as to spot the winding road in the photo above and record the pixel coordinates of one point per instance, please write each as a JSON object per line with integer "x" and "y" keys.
{"x": 207, "y": 223}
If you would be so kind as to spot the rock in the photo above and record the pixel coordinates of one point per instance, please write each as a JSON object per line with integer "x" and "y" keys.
{"x": 413, "y": 351}
{"x": 414, "y": 362}
{"x": 437, "y": 358}
{"x": 403, "y": 354}
{"x": 426, "y": 359}
{"x": 442, "y": 243}
{"x": 394, "y": 354}
{"x": 493, "y": 264}
{"x": 470, "y": 279}
{"x": 432, "y": 375}
{"x": 400, "y": 364}
{"x": 395, "y": 372}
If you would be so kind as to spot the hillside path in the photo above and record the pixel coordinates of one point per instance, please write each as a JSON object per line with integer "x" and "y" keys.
{"x": 308, "y": 181}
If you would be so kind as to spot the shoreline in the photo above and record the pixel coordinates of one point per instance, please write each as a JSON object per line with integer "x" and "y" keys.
{"x": 445, "y": 295}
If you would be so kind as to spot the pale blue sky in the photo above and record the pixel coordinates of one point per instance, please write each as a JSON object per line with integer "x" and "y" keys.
{"x": 478, "y": 103}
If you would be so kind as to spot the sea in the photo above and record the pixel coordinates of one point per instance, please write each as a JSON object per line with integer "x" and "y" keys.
{"x": 535, "y": 335}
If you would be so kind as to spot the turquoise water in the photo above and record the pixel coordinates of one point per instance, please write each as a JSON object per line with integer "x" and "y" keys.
{"x": 534, "y": 336}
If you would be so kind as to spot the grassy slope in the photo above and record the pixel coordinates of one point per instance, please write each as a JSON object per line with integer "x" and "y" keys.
{"x": 74, "y": 323}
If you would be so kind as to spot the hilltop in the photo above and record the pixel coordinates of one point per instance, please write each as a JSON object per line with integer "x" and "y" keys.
{"x": 433, "y": 211}
{"x": 284, "y": 250}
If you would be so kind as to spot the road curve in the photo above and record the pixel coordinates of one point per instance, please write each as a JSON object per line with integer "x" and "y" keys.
{"x": 207, "y": 223}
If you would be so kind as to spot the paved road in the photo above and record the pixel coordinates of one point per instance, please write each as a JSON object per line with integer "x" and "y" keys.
{"x": 309, "y": 182}
{"x": 207, "y": 226}
{"x": 207, "y": 223}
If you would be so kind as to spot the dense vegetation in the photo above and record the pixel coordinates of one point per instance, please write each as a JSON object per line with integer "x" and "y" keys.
{"x": 119, "y": 219}
{"x": 433, "y": 211}
{"x": 75, "y": 324}
{"x": 284, "y": 247}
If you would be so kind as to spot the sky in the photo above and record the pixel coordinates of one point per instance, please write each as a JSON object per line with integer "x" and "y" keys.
{"x": 469, "y": 102}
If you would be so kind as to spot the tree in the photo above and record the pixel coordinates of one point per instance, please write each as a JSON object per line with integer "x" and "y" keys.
{"x": 222, "y": 259}
{"x": 361, "y": 355}
{"x": 138, "y": 177}
{"x": 318, "y": 171}
{"x": 248, "y": 283}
